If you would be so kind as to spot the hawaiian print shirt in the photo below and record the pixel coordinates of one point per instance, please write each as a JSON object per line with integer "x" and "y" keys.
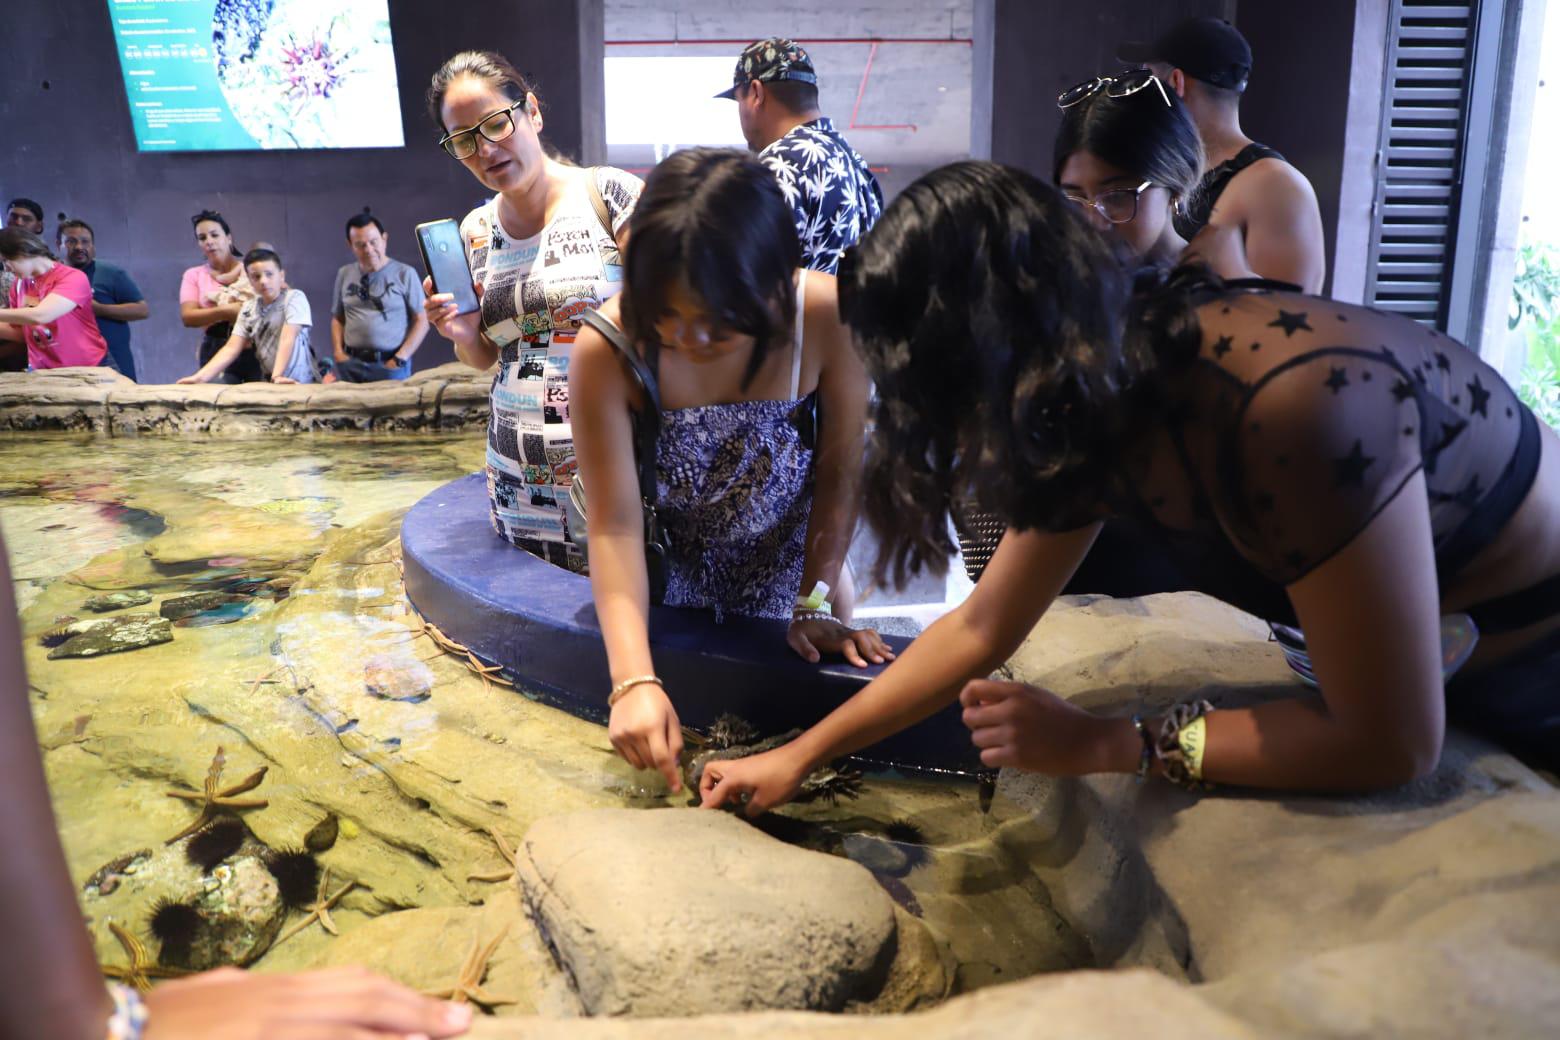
{"x": 833, "y": 196}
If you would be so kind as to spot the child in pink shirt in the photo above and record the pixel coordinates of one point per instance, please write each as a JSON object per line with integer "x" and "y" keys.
{"x": 49, "y": 305}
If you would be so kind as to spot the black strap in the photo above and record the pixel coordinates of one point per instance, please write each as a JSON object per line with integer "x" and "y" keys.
{"x": 647, "y": 421}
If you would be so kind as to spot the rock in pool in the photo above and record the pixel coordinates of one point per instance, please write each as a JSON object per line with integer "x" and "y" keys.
{"x": 118, "y": 601}
{"x": 180, "y": 607}
{"x": 111, "y": 635}
{"x": 393, "y": 677}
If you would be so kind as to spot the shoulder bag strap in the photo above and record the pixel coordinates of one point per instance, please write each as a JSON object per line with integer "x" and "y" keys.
{"x": 647, "y": 422}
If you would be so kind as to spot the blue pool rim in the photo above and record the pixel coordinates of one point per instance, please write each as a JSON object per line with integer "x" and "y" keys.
{"x": 538, "y": 622}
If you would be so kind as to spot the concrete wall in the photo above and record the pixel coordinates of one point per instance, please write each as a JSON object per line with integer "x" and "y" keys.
{"x": 73, "y": 150}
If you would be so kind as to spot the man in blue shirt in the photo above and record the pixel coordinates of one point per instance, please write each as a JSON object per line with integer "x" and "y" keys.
{"x": 833, "y": 196}
{"x": 115, "y": 299}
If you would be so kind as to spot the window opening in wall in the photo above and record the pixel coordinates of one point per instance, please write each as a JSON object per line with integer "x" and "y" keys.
{"x": 1534, "y": 321}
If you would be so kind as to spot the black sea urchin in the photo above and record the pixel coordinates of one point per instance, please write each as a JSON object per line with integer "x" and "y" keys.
{"x": 212, "y": 844}
{"x": 297, "y": 875}
{"x": 174, "y": 924}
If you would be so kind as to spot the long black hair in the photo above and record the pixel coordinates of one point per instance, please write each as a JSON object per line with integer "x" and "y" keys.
{"x": 1014, "y": 353}
{"x": 1138, "y": 133}
{"x": 213, "y": 217}
{"x": 714, "y": 220}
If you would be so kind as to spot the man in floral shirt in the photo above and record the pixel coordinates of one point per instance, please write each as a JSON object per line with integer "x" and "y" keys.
{"x": 833, "y": 196}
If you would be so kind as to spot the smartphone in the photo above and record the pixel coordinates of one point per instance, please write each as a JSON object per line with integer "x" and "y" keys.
{"x": 444, "y": 258}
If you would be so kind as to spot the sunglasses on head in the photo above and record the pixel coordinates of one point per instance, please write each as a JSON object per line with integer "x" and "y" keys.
{"x": 1119, "y": 86}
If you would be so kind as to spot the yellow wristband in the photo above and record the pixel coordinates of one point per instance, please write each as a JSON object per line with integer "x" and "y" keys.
{"x": 817, "y": 599}
{"x": 1193, "y": 739}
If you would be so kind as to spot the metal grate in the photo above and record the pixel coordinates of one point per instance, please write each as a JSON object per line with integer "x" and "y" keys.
{"x": 1413, "y": 244}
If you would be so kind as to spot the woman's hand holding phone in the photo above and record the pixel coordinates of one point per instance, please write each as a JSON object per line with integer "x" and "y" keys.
{"x": 463, "y": 330}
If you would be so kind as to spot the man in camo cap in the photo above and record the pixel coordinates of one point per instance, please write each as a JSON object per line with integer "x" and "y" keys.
{"x": 833, "y": 196}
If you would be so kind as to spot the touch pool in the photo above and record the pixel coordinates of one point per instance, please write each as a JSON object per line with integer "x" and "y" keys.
{"x": 406, "y": 777}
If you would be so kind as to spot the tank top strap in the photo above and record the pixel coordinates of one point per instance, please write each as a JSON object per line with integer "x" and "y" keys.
{"x": 796, "y": 348}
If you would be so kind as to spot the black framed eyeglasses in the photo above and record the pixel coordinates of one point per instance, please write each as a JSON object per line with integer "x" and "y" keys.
{"x": 1117, "y": 206}
{"x": 1123, "y": 85}
{"x": 462, "y": 144}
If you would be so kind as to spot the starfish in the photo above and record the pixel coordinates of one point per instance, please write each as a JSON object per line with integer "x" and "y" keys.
{"x": 468, "y": 987}
{"x": 143, "y": 968}
{"x": 319, "y": 910}
{"x": 213, "y": 800}
{"x": 505, "y": 850}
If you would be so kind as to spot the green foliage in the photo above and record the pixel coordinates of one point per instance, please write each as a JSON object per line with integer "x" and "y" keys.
{"x": 1535, "y": 304}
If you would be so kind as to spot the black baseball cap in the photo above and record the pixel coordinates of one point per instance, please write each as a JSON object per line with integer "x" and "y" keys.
{"x": 768, "y": 60}
{"x": 1209, "y": 49}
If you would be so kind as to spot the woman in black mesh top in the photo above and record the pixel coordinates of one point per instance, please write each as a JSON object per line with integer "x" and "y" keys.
{"x": 1307, "y": 461}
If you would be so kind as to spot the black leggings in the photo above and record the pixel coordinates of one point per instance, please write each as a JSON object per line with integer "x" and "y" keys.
{"x": 1515, "y": 702}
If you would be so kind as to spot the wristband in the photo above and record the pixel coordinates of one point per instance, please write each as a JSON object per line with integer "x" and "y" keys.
{"x": 817, "y": 599}
{"x": 628, "y": 684}
{"x": 1194, "y": 741}
{"x": 128, "y": 1021}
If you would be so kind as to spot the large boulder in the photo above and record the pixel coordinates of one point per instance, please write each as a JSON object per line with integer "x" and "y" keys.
{"x": 631, "y": 899}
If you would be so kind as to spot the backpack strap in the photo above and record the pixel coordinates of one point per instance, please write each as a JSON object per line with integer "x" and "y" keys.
{"x": 647, "y": 421}
{"x": 599, "y": 204}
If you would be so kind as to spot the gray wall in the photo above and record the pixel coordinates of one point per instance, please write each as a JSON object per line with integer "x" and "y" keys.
{"x": 1298, "y": 99}
{"x": 75, "y": 153}
{"x": 1043, "y": 47}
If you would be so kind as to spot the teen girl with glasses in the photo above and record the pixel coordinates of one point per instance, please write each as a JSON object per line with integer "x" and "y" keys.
{"x": 543, "y": 251}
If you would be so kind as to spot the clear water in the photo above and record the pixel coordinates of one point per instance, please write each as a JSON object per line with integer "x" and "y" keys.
{"x": 314, "y": 666}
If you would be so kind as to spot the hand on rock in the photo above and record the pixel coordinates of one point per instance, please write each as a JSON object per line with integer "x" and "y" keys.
{"x": 338, "y": 1004}
{"x": 1024, "y": 727}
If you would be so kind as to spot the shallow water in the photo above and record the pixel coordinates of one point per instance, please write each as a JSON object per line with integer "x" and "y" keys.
{"x": 308, "y": 662}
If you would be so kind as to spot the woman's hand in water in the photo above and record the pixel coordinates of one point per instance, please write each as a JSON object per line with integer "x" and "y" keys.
{"x": 339, "y": 1004}
{"x": 817, "y": 636}
{"x": 758, "y": 783}
{"x": 645, "y": 730}
{"x": 463, "y": 330}
{"x": 1024, "y": 727}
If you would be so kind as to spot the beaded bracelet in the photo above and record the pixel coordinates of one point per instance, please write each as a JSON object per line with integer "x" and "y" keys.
{"x": 813, "y": 615}
{"x": 128, "y": 1021}
{"x": 1179, "y": 746}
{"x": 1146, "y": 758}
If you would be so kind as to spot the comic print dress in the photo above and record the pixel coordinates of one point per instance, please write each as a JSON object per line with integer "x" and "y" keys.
{"x": 534, "y": 291}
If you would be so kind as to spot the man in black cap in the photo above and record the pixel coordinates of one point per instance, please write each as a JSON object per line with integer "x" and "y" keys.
{"x": 1249, "y": 188}
{"x": 832, "y": 194}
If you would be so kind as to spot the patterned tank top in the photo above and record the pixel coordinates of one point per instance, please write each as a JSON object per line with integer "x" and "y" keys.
{"x": 734, "y": 494}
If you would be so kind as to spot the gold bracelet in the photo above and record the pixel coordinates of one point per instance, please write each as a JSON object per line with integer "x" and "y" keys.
{"x": 628, "y": 684}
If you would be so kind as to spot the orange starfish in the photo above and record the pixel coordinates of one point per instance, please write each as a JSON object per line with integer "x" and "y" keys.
{"x": 468, "y": 987}
{"x": 213, "y": 800}
{"x": 505, "y": 850}
{"x": 319, "y": 910}
{"x": 143, "y": 968}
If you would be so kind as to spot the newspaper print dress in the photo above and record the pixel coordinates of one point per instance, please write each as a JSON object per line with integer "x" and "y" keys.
{"x": 534, "y": 291}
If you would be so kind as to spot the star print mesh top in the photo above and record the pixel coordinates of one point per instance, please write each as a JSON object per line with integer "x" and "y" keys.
{"x": 1300, "y": 420}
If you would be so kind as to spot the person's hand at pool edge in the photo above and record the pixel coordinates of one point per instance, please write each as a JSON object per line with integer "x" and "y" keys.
{"x": 813, "y": 637}
{"x": 645, "y": 730}
{"x": 1024, "y": 727}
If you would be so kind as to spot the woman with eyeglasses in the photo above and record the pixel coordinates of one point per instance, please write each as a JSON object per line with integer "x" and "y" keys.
{"x": 543, "y": 251}
{"x": 1308, "y": 461}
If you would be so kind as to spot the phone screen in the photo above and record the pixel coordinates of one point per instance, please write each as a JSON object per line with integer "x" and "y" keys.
{"x": 444, "y": 258}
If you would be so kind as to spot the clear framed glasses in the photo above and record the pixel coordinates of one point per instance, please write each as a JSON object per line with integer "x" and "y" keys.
{"x": 462, "y": 144}
{"x": 1118, "y": 206}
{"x": 1119, "y": 86}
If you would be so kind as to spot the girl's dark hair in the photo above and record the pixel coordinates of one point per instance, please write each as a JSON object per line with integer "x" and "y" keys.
{"x": 1014, "y": 356}
{"x": 489, "y": 66}
{"x": 715, "y": 221}
{"x": 20, "y": 244}
{"x": 212, "y": 216}
{"x": 1138, "y": 133}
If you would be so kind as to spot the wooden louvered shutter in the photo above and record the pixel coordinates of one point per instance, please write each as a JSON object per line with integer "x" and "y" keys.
{"x": 1434, "y": 140}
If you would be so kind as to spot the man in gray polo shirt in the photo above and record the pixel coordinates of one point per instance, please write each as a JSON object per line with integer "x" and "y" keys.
{"x": 377, "y": 320}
